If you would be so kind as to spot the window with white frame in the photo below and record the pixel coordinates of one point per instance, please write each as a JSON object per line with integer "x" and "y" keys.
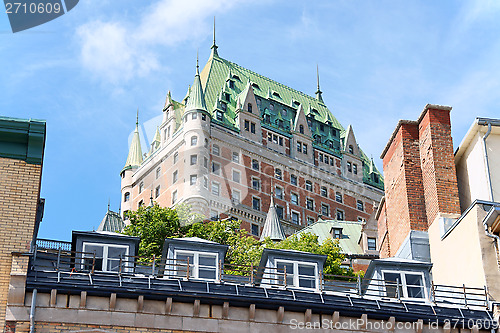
{"x": 107, "y": 256}
{"x": 215, "y": 188}
{"x": 310, "y": 220}
{"x": 325, "y": 209}
{"x": 193, "y": 159}
{"x": 293, "y": 180}
{"x": 216, "y": 168}
{"x": 194, "y": 140}
{"x": 157, "y": 191}
{"x": 324, "y": 191}
{"x": 279, "y": 192}
{"x": 295, "y": 217}
{"x": 255, "y": 165}
{"x": 372, "y": 243}
{"x": 193, "y": 179}
{"x": 294, "y": 198}
{"x": 202, "y": 265}
{"x": 158, "y": 172}
{"x": 277, "y": 173}
{"x": 236, "y": 196}
{"x": 298, "y": 274}
{"x": 411, "y": 284}
{"x": 338, "y": 197}
{"x": 236, "y": 176}
{"x": 141, "y": 187}
{"x": 176, "y": 157}
{"x": 236, "y": 157}
{"x": 175, "y": 176}
{"x": 360, "y": 205}
{"x": 216, "y": 150}
{"x": 340, "y": 215}
{"x": 309, "y": 185}
{"x": 256, "y": 184}
{"x": 174, "y": 197}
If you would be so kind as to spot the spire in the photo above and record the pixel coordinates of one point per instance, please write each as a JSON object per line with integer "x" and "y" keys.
{"x": 108, "y": 203}
{"x": 134, "y": 157}
{"x": 318, "y": 92}
{"x": 156, "y": 142}
{"x": 214, "y": 46}
{"x": 196, "y": 99}
{"x": 372, "y": 166}
{"x": 272, "y": 226}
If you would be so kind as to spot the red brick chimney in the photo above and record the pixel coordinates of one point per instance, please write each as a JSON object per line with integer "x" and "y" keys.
{"x": 420, "y": 176}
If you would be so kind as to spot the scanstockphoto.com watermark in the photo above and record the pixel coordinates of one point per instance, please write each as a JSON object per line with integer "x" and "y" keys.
{"x": 382, "y": 325}
{"x": 26, "y": 14}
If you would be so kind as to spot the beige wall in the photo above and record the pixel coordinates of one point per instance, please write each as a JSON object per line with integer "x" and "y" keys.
{"x": 457, "y": 259}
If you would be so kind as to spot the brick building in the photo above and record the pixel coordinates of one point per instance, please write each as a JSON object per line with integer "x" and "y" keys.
{"x": 21, "y": 155}
{"x": 236, "y": 138}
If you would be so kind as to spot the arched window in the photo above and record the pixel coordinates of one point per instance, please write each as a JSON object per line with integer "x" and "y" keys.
{"x": 126, "y": 197}
{"x": 301, "y": 129}
{"x": 249, "y": 107}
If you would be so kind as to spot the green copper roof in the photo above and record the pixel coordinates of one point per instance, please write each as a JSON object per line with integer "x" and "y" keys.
{"x": 196, "y": 100}
{"x": 134, "y": 157}
{"x": 22, "y": 139}
{"x": 112, "y": 221}
{"x": 351, "y": 231}
{"x": 272, "y": 226}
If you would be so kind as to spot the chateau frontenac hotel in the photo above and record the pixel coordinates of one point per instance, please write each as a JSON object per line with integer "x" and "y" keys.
{"x": 237, "y": 138}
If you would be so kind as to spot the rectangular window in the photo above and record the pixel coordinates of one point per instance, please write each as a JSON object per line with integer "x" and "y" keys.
{"x": 355, "y": 169}
{"x": 252, "y": 128}
{"x": 203, "y": 117}
{"x": 310, "y": 220}
{"x": 411, "y": 285}
{"x": 157, "y": 191}
{"x": 215, "y": 150}
{"x": 340, "y": 215}
{"x": 247, "y": 125}
{"x": 256, "y": 184}
{"x": 215, "y": 188}
{"x": 205, "y": 182}
{"x": 158, "y": 172}
{"x": 309, "y": 204}
{"x": 256, "y": 203}
{"x": 175, "y": 176}
{"x": 325, "y": 209}
{"x": 293, "y": 180}
{"x": 294, "y": 198}
{"x": 337, "y": 233}
{"x": 194, "y": 116}
{"x": 299, "y": 147}
{"x": 295, "y": 217}
{"x": 309, "y": 185}
{"x": 372, "y": 243}
{"x": 280, "y": 141}
{"x": 338, "y": 197}
{"x": 360, "y": 205}
{"x": 236, "y": 157}
{"x": 205, "y": 162}
{"x": 255, "y": 229}
{"x": 193, "y": 179}
{"x": 202, "y": 265}
{"x": 279, "y": 192}
{"x": 304, "y": 148}
{"x": 324, "y": 191}
{"x": 277, "y": 173}
{"x": 349, "y": 166}
{"x": 194, "y": 140}
{"x": 194, "y": 159}
{"x": 269, "y": 136}
{"x": 331, "y": 161}
{"x": 235, "y": 196}
{"x": 279, "y": 212}
{"x": 236, "y": 176}
{"x": 320, "y": 157}
{"x": 216, "y": 168}
{"x": 255, "y": 165}
{"x": 174, "y": 197}
{"x": 298, "y": 274}
{"x": 107, "y": 257}
{"x": 176, "y": 157}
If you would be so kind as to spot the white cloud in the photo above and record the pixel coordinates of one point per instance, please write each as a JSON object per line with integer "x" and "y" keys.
{"x": 117, "y": 51}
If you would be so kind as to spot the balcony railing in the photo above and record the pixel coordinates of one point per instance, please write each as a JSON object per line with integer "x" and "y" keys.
{"x": 71, "y": 265}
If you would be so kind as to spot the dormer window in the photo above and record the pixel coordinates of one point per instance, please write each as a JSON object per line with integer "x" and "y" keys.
{"x": 404, "y": 284}
{"x": 337, "y": 233}
{"x": 276, "y": 94}
{"x": 236, "y": 77}
{"x": 223, "y": 106}
{"x": 351, "y": 149}
{"x": 271, "y": 107}
{"x": 301, "y": 129}
{"x": 321, "y": 127}
{"x": 298, "y": 274}
{"x": 249, "y": 107}
{"x": 255, "y": 85}
{"x": 219, "y": 115}
{"x": 202, "y": 265}
{"x": 227, "y": 97}
{"x": 231, "y": 84}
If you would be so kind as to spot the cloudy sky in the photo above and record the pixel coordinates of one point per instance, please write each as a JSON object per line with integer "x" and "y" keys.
{"x": 87, "y": 72}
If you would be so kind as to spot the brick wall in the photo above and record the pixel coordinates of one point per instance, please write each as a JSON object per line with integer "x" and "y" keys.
{"x": 420, "y": 177}
{"x": 19, "y": 194}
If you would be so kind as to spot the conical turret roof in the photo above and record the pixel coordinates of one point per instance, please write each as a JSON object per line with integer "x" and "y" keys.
{"x": 134, "y": 157}
{"x": 272, "y": 226}
{"x": 196, "y": 100}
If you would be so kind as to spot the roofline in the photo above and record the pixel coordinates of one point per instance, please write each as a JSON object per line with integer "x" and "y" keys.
{"x": 414, "y": 122}
{"x": 475, "y": 127}
{"x": 22, "y": 139}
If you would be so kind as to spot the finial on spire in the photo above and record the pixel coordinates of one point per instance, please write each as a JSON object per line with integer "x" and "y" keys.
{"x": 214, "y": 46}
{"x": 197, "y": 65}
{"x": 108, "y": 204}
{"x": 137, "y": 119}
{"x": 318, "y": 92}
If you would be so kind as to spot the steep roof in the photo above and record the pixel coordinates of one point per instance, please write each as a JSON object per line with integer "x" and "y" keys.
{"x": 112, "y": 222}
{"x": 272, "y": 226}
{"x": 351, "y": 231}
{"x": 134, "y": 157}
{"x": 196, "y": 100}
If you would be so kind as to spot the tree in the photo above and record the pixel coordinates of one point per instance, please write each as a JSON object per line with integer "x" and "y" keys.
{"x": 152, "y": 225}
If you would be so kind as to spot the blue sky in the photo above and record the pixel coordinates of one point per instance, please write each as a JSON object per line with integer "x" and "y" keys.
{"x": 88, "y": 71}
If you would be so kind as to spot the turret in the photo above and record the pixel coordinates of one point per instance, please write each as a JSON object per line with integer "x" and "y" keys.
{"x": 272, "y": 227}
{"x": 134, "y": 160}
